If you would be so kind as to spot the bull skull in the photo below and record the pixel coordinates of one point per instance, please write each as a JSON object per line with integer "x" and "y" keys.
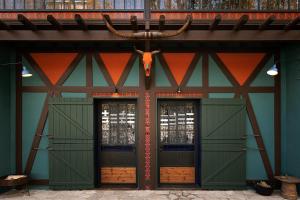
{"x": 147, "y": 60}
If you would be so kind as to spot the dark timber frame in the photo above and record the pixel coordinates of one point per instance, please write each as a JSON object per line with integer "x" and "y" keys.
{"x": 155, "y": 93}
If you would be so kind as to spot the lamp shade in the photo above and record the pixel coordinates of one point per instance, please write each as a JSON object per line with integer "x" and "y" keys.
{"x": 26, "y": 72}
{"x": 273, "y": 71}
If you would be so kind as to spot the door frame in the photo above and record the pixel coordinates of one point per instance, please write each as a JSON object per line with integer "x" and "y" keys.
{"x": 98, "y": 101}
{"x": 198, "y": 159}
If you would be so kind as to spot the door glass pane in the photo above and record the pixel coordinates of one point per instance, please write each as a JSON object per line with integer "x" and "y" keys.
{"x": 120, "y": 4}
{"x": 29, "y": 4}
{"x": 129, "y": 4}
{"x": 9, "y": 4}
{"x": 118, "y": 123}
{"x": 39, "y": 5}
{"x": 99, "y": 4}
{"x": 177, "y": 123}
{"x": 89, "y": 4}
{"x": 49, "y": 4}
{"x": 139, "y": 4}
{"x": 109, "y": 4}
{"x": 19, "y": 4}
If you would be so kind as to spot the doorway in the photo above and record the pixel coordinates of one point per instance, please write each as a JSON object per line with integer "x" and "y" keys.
{"x": 117, "y": 136}
{"x": 178, "y": 142}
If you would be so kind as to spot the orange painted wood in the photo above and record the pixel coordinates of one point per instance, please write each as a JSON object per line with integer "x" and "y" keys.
{"x": 241, "y": 65}
{"x": 54, "y": 65}
{"x": 118, "y": 175}
{"x": 115, "y": 64}
{"x": 177, "y": 175}
{"x": 178, "y": 64}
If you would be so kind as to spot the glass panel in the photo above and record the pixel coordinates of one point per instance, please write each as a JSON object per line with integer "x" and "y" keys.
{"x": 129, "y": 4}
{"x": 39, "y": 4}
{"x": 118, "y": 124}
{"x": 19, "y": 4}
{"x": 49, "y": 4}
{"x": 90, "y": 4}
{"x": 294, "y": 4}
{"x": 79, "y": 4}
{"x": 120, "y": 4}
{"x": 9, "y": 4}
{"x": 177, "y": 123}
{"x": 1, "y": 4}
{"x": 109, "y": 4}
{"x": 68, "y": 4}
{"x": 99, "y": 4}
{"x": 154, "y": 4}
{"x": 29, "y": 4}
{"x": 139, "y": 4}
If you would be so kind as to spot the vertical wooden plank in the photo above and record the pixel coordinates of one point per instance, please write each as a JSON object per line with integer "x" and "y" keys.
{"x": 277, "y": 116}
{"x": 18, "y": 76}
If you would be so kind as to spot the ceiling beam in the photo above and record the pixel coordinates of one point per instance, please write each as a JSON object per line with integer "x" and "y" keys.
{"x": 4, "y": 25}
{"x": 242, "y": 21}
{"x": 215, "y": 23}
{"x": 52, "y": 20}
{"x": 292, "y": 24}
{"x": 133, "y": 22}
{"x": 189, "y": 36}
{"x": 26, "y": 22}
{"x": 162, "y": 22}
{"x": 267, "y": 22}
{"x": 80, "y": 21}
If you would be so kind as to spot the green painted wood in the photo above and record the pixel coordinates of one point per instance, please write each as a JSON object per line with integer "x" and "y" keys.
{"x": 221, "y": 95}
{"x": 196, "y": 77}
{"x": 263, "y": 79}
{"x": 161, "y": 79}
{"x": 98, "y": 77}
{"x": 71, "y": 144}
{"x": 223, "y": 144}
{"x": 133, "y": 77}
{"x": 215, "y": 75}
{"x": 78, "y": 76}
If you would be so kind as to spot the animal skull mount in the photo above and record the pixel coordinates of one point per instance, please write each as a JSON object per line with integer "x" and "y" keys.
{"x": 147, "y": 36}
{"x": 147, "y": 62}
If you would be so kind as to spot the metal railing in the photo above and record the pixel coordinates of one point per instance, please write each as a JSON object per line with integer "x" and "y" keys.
{"x": 157, "y": 5}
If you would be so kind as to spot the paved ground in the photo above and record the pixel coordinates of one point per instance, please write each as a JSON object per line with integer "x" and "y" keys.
{"x": 137, "y": 195}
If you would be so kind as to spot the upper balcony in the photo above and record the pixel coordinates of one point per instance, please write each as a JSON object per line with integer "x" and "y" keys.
{"x": 156, "y": 5}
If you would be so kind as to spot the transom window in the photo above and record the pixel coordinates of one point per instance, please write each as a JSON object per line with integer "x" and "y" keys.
{"x": 177, "y": 122}
{"x": 118, "y": 123}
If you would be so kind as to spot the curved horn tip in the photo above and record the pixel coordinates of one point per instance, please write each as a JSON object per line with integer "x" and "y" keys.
{"x": 155, "y": 52}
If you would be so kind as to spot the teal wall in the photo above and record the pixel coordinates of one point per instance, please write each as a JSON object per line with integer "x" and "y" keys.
{"x": 290, "y": 57}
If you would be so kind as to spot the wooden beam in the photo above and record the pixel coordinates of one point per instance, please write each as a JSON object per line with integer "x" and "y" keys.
{"x": 242, "y": 21}
{"x": 215, "y": 23}
{"x": 37, "y": 138}
{"x": 80, "y": 21}
{"x": 19, "y": 116}
{"x": 162, "y": 22}
{"x": 292, "y": 24}
{"x": 4, "y": 25}
{"x": 26, "y": 22}
{"x": 259, "y": 139}
{"x": 191, "y": 35}
{"x": 267, "y": 22}
{"x": 52, "y": 20}
{"x": 107, "y": 18}
{"x": 133, "y": 22}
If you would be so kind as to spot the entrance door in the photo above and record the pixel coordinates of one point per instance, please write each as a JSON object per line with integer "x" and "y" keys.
{"x": 117, "y": 142}
{"x": 178, "y": 149}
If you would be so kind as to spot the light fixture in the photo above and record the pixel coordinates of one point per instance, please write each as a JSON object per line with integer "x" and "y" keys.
{"x": 25, "y": 72}
{"x": 116, "y": 92}
{"x": 178, "y": 90}
{"x": 273, "y": 71}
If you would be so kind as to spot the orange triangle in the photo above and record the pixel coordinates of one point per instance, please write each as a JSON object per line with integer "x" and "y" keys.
{"x": 115, "y": 64}
{"x": 241, "y": 65}
{"x": 178, "y": 64}
{"x": 54, "y": 65}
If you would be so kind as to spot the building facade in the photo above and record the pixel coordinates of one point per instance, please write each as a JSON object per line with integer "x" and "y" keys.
{"x": 201, "y": 112}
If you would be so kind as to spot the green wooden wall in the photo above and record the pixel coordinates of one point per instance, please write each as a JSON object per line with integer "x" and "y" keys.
{"x": 290, "y": 57}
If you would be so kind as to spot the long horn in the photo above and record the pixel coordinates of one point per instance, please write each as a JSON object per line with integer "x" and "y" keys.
{"x": 138, "y": 51}
{"x": 178, "y": 32}
{"x": 155, "y": 52}
{"x": 114, "y": 31}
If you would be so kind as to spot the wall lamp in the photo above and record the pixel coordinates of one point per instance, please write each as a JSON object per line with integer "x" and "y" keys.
{"x": 273, "y": 71}
{"x": 25, "y": 72}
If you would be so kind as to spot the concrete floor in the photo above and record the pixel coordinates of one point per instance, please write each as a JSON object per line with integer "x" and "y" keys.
{"x": 37, "y": 194}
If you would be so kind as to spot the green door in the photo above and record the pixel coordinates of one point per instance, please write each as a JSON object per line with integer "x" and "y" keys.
{"x": 71, "y": 143}
{"x": 223, "y": 144}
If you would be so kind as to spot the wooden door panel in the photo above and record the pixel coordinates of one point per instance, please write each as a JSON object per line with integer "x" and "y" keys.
{"x": 122, "y": 175}
{"x": 223, "y": 144}
{"x": 71, "y": 143}
{"x": 170, "y": 175}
